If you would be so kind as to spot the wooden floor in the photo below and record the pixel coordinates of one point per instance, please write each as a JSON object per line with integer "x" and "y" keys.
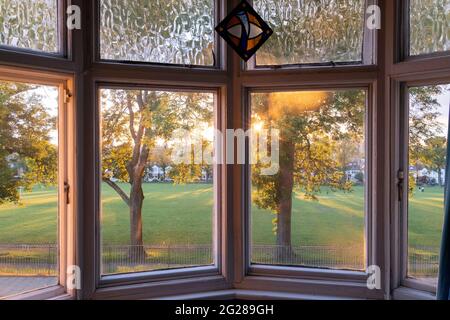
{"x": 14, "y": 285}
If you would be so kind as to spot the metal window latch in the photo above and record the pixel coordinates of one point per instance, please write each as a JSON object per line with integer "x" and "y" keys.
{"x": 67, "y": 192}
{"x": 67, "y": 96}
{"x": 400, "y": 184}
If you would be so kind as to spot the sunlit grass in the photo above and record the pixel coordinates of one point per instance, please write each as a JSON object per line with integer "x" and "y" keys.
{"x": 182, "y": 214}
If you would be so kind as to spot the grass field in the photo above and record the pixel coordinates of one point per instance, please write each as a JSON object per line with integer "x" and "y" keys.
{"x": 177, "y": 214}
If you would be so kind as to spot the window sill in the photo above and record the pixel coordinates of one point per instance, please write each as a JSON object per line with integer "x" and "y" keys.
{"x": 404, "y": 293}
{"x": 49, "y": 293}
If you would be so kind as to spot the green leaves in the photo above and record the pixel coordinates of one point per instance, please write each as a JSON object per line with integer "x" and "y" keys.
{"x": 28, "y": 154}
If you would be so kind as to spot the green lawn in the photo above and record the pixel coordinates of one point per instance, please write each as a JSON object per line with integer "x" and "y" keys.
{"x": 176, "y": 214}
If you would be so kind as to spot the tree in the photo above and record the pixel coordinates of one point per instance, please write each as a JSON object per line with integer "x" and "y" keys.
{"x": 423, "y": 121}
{"x": 133, "y": 121}
{"x": 26, "y": 136}
{"x": 310, "y": 125}
{"x": 434, "y": 156}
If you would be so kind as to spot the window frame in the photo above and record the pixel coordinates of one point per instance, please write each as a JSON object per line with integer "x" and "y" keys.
{"x": 401, "y": 213}
{"x": 403, "y": 37}
{"x": 66, "y": 175}
{"x": 233, "y": 81}
{"x": 217, "y": 53}
{"x": 368, "y": 52}
{"x": 63, "y": 37}
{"x": 355, "y": 279}
{"x": 151, "y": 276}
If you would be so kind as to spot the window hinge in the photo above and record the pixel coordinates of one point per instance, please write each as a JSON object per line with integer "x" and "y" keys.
{"x": 67, "y": 96}
{"x": 67, "y": 192}
{"x": 400, "y": 184}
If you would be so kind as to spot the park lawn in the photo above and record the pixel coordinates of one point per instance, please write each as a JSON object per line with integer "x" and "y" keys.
{"x": 181, "y": 214}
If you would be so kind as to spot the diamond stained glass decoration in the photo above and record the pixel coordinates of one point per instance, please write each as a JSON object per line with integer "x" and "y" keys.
{"x": 244, "y": 30}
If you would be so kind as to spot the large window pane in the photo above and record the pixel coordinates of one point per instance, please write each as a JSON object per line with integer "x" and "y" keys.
{"x": 428, "y": 121}
{"x": 157, "y": 191}
{"x": 171, "y": 31}
{"x": 28, "y": 187}
{"x": 311, "y": 211}
{"x": 429, "y": 26}
{"x": 312, "y": 31}
{"x": 29, "y": 24}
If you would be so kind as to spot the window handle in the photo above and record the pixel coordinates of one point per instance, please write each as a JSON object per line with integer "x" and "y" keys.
{"x": 67, "y": 192}
{"x": 400, "y": 184}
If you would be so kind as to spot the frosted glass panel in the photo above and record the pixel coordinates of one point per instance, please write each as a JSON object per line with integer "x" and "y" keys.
{"x": 175, "y": 31}
{"x": 312, "y": 31}
{"x": 430, "y": 32}
{"x": 29, "y": 24}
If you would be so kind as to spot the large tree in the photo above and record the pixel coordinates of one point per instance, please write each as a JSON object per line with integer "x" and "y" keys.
{"x": 26, "y": 128}
{"x": 434, "y": 156}
{"x": 424, "y": 122}
{"x": 133, "y": 121}
{"x": 310, "y": 124}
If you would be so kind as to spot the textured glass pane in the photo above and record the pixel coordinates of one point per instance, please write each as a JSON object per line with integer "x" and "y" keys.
{"x": 157, "y": 211}
{"x": 29, "y": 24}
{"x": 311, "y": 31}
{"x": 311, "y": 211}
{"x": 159, "y": 31}
{"x": 430, "y": 26}
{"x": 428, "y": 129}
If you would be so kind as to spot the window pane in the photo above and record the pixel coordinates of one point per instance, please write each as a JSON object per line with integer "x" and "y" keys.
{"x": 311, "y": 211}
{"x": 29, "y": 24}
{"x": 157, "y": 191}
{"x": 175, "y": 31}
{"x": 312, "y": 31}
{"x": 28, "y": 187}
{"x": 428, "y": 121}
{"x": 430, "y": 26}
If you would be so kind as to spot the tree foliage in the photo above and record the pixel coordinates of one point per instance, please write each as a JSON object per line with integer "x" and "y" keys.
{"x": 27, "y": 154}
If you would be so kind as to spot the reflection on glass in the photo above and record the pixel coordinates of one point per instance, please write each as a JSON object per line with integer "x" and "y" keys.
{"x": 428, "y": 122}
{"x": 157, "y": 191}
{"x": 170, "y": 31}
{"x": 311, "y": 212}
{"x": 29, "y": 24}
{"x": 28, "y": 187}
{"x": 430, "y": 26}
{"x": 312, "y": 31}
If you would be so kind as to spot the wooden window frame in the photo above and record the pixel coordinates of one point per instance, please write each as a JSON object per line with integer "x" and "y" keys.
{"x": 368, "y": 54}
{"x": 63, "y": 37}
{"x": 233, "y": 81}
{"x": 151, "y": 276}
{"x": 66, "y": 173}
{"x": 403, "y": 43}
{"x": 402, "y": 72}
{"x": 401, "y": 139}
{"x": 217, "y": 53}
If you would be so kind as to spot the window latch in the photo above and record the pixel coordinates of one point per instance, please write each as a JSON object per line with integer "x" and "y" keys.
{"x": 67, "y": 192}
{"x": 400, "y": 184}
{"x": 67, "y": 96}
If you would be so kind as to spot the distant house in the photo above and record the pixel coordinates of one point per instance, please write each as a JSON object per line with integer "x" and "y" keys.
{"x": 17, "y": 165}
{"x": 355, "y": 170}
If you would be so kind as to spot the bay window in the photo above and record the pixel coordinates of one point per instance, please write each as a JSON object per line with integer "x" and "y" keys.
{"x": 137, "y": 189}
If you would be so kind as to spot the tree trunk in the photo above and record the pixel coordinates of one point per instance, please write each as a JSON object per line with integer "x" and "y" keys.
{"x": 286, "y": 186}
{"x": 440, "y": 177}
{"x": 137, "y": 251}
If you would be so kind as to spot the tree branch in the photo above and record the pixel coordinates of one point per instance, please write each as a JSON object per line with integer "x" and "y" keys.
{"x": 119, "y": 191}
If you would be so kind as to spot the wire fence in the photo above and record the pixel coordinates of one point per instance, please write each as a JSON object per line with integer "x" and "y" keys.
{"x": 42, "y": 259}
{"x": 423, "y": 262}
{"x": 29, "y": 259}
